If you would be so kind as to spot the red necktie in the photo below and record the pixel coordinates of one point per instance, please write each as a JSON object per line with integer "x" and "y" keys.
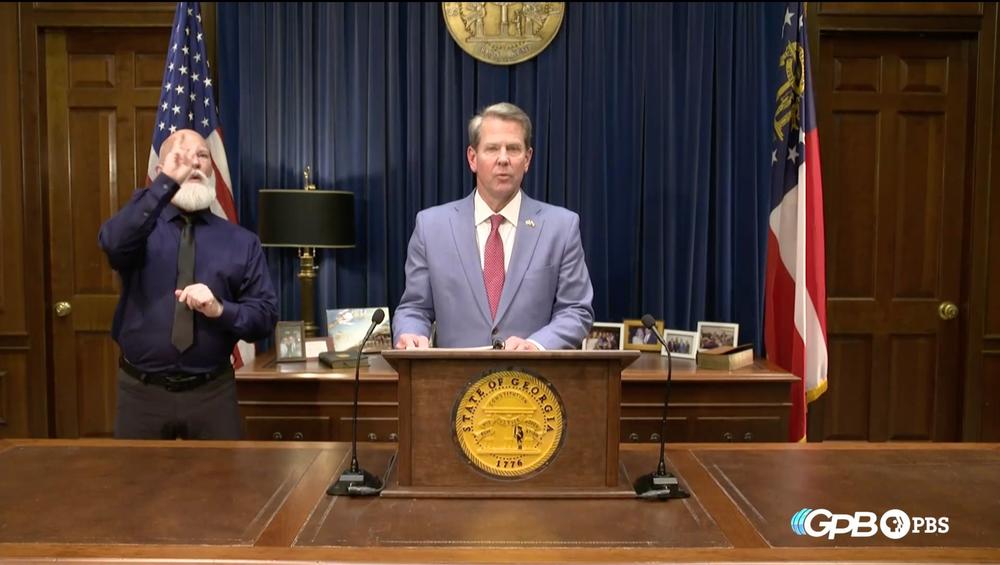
{"x": 493, "y": 270}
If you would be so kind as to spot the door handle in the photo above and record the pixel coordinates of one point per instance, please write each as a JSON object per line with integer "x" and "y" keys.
{"x": 63, "y": 309}
{"x": 947, "y": 310}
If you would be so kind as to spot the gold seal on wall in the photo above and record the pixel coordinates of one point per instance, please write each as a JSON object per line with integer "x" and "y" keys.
{"x": 509, "y": 423}
{"x": 503, "y": 33}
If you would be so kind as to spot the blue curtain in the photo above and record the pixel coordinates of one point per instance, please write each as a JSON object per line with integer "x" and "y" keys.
{"x": 652, "y": 121}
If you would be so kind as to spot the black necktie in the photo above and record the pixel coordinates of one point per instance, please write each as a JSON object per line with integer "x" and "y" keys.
{"x": 182, "y": 335}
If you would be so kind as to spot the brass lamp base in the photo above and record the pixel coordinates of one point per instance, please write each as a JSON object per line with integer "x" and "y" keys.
{"x": 307, "y": 282}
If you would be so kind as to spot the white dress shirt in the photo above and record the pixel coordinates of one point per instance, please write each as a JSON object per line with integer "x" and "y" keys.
{"x": 507, "y": 230}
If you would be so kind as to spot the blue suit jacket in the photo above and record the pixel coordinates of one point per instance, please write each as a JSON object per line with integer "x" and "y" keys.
{"x": 546, "y": 296}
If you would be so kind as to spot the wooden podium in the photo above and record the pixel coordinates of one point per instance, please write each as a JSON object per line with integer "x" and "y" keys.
{"x": 430, "y": 462}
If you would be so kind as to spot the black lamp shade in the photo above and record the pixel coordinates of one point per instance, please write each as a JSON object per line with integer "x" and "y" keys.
{"x": 306, "y": 218}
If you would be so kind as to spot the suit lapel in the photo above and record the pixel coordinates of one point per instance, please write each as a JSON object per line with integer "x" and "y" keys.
{"x": 463, "y": 230}
{"x": 525, "y": 241}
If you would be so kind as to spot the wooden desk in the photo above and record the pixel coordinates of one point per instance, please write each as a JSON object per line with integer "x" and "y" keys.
{"x": 134, "y": 501}
{"x": 310, "y": 402}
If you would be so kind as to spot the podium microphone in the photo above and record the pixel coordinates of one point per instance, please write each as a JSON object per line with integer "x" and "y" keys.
{"x": 661, "y": 485}
{"x": 356, "y": 481}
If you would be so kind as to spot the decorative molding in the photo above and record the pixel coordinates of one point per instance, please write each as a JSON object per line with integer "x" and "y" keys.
{"x": 4, "y": 407}
{"x": 167, "y": 7}
{"x": 14, "y": 341}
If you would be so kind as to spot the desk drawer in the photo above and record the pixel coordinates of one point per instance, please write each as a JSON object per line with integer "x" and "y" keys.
{"x": 647, "y": 429}
{"x": 370, "y": 429}
{"x": 740, "y": 429}
{"x": 287, "y": 428}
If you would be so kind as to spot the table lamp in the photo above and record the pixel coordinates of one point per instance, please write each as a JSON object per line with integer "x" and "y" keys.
{"x": 306, "y": 219}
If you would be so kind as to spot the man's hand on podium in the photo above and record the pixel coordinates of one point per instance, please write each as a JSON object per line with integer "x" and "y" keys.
{"x": 412, "y": 341}
{"x": 515, "y": 343}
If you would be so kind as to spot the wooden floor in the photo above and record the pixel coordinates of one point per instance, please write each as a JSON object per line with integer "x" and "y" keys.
{"x": 135, "y": 502}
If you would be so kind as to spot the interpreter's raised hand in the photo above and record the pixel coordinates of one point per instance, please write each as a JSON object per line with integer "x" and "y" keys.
{"x": 412, "y": 341}
{"x": 180, "y": 161}
{"x": 199, "y": 297}
{"x": 515, "y": 343}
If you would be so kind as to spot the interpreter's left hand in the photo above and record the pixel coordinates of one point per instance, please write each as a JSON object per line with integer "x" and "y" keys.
{"x": 199, "y": 297}
{"x": 515, "y": 343}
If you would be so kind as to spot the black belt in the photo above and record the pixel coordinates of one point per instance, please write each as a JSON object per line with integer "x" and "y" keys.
{"x": 173, "y": 382}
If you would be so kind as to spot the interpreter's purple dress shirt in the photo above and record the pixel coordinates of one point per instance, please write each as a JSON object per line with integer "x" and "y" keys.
{"x": 141, "y": 243}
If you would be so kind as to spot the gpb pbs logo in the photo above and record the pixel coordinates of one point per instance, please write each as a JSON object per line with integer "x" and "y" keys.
{"x": 894, "y": 524}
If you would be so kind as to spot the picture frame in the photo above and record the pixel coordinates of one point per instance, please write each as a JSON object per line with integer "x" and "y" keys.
{"x": 315, "y": 346}
{"x": 346, "y": 327}
{"x": 717, "y": 334}
{"x": 605, "y": 336}
{"x": 289, "y": 342}
{"x": 638, "y": 339}
{"x": 683, "y": 344}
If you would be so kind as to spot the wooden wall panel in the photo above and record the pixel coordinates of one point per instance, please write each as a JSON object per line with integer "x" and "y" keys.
{"x": 96, "y": 400}
{"x": 929, "y": 75}
{"x": 991, "y": 397}
{"x": 991, "y": 322}
{"x": 857, "y": 74}
{"x": 16, "y": 300}
{"x": 920, "y": 157}
{"x": 850, "y": 219}
{"x": 12, "y": 277}
{"x": 848, "y": 405}
{"x": 899, "y": 8}
{"x": 13, "y": 392}
{"x": 92, "y": 70}
{"x": 92, "y": 157}
{"x": 981, "y": 420}
{"x": 911, "y": 375}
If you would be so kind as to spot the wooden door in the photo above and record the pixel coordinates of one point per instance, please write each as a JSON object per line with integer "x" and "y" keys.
{"x": 895, "y": 130}
{"x": 100, "y": 95}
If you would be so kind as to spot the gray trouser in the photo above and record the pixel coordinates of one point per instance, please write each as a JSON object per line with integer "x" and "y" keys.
{"x": 147, "y": 411}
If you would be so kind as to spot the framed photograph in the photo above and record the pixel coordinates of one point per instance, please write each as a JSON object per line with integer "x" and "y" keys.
{"x": 605, "y": 336}
{"x": 290, "y": 339}
{"x": 717, "y": 334}
{"x": 638, "y": 337}
{"x": 346, "y": 327}
{"x": 315, "y": 346}
{"x": 682, "y": 345}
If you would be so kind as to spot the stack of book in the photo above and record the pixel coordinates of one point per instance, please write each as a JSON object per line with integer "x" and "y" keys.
{"x": 342, "y": 359}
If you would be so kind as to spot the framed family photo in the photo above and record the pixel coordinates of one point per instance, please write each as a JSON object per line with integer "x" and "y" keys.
{"x": 682, "y": 345}
{"x": 639, "y": 338}
{"x": 717, "y": 334}
{"x": 290, "y": 338}
{"x": 346, "y": 327}
{"x": 605, "y": 336}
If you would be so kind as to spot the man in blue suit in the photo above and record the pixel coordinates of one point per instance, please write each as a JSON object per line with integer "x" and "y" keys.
{"x": 496, "y": 265}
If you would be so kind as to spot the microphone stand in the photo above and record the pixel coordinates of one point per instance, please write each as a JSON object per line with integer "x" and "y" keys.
{"x": 661, "y": 485}
{"x": 356, "y": 481}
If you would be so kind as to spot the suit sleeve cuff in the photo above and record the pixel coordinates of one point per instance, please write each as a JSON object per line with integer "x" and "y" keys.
{"x": 229, "y": 312}
{"x": 163, "y": 186}
{"x": 536, "y": 344}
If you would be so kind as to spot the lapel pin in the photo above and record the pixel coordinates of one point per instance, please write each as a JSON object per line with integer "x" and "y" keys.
{"x": 529, "y": 223}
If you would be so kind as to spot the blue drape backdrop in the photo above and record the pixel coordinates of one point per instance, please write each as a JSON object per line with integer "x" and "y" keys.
{"x": 652, "y": 121}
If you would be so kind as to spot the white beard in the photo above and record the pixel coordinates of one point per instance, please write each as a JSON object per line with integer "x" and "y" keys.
{"x": 195, "y": 194}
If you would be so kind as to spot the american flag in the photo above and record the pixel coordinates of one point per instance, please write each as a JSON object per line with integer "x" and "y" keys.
{"x": 795, "y": 291}
{"x": 187, "y": 101}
